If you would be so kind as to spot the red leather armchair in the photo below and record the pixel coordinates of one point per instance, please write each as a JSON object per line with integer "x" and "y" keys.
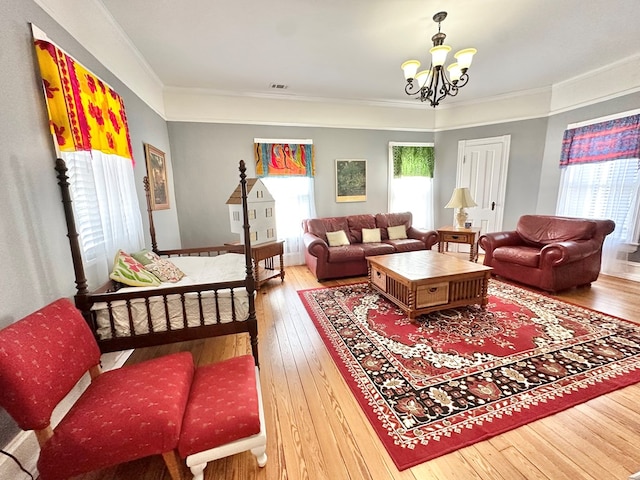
{"x": 548, "y": 252}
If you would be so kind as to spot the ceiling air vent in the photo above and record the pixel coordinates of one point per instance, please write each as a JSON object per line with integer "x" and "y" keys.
{"x": 279, "y": 86}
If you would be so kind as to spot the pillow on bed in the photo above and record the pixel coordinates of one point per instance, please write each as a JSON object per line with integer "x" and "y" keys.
{"x": 129, "y": 271}
{"x": 165, "y": 270}
{"x": 146, "y": 256}
{"x": 397, "y": 233}
{"x": 337, "y": 239}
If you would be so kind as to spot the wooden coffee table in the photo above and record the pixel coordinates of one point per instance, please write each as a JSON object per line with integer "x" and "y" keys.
{"x": 425, "y": 281}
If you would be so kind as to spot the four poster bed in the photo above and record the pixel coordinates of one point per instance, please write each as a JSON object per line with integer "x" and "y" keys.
{"x": 216, "y": 296}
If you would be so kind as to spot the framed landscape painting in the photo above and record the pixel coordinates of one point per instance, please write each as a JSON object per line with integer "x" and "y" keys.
{"x": 351, "y": 180}
{"x": 157, "y": 172}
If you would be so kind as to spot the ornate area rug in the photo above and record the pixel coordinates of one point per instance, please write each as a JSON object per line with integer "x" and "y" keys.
{"x": 463, "y": 375}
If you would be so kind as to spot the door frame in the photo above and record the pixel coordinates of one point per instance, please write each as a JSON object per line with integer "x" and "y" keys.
{"x": 505, "y": 140}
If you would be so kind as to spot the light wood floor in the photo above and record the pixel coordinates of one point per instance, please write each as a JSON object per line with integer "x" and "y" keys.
{"x": 316, "y": 430}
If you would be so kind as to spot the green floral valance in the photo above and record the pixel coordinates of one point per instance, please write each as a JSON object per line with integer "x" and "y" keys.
{"x": 413, "y": 161}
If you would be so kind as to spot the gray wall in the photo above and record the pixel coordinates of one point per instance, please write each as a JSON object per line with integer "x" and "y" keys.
{"x": 206, "y": 157}
{"x": 36, "y": 263}
{"x": 525, "y": 155}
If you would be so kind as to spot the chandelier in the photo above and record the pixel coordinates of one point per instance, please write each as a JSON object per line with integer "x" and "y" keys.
{"x": 433, "y": 85}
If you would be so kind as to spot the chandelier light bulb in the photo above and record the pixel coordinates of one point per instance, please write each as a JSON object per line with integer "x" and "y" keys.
{"x": 454, "y": 72}
{"x": 410, "y": 67}
{"x": 422, "y": 77}
{"x": 465, "y": 57}
{"x": 439, "y": 55}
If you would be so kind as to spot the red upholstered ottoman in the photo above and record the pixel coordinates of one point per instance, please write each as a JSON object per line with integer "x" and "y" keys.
{"x": 224, "y": 414}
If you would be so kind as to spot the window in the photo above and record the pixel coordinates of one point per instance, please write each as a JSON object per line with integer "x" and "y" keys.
{"x": 89, "y": 127}
{"x": 411, "y": 181}
{"x": 286, "y": 167}
{"x": 600, "y": 179}
{"x": 295, "y": 202}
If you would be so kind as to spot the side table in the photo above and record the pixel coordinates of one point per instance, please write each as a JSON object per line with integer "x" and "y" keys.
{"x": 266, "y": 252}
{"x": 467, "y": 236}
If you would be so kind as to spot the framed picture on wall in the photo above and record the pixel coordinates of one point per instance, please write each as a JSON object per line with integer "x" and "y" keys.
{"x": 157, "y": 173}
{"x": 351, "y": 180}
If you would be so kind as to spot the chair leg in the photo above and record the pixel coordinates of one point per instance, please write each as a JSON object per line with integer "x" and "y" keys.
{"x": 260, "y": 454}
{"x": 198, "y": 471}
{"x": 172, "y": 460}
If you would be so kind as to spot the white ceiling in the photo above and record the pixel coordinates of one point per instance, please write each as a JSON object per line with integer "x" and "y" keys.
{"x": 352, "y": 49}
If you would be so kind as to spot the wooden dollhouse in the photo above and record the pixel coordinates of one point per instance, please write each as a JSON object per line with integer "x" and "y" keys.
{"x": 261, "y": 209}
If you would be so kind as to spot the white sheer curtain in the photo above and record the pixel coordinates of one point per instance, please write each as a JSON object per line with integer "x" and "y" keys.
{"x": 605, "y": 190}
{"x": 106, "y": 209}
{"x": 409, "y": 193}
{"x": 295, "y": 202}
{"x": 415, "y": 195}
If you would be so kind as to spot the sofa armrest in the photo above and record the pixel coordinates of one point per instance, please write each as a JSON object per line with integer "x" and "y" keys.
{"x": 316, "y": 246}
{"x": 428, "y": 237}
{"x": 560, "y": 253}
{"x": 490, "y": 241}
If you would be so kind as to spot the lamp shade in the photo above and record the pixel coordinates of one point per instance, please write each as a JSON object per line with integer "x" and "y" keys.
{"x": 461, "y": 198}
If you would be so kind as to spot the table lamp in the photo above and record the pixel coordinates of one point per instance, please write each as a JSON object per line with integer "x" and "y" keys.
{"x": 461, "y": 199}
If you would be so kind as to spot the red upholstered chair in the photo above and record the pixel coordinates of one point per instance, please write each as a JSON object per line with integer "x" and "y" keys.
{"x": 224, "y": 414}
{"x": 124, "y": 414}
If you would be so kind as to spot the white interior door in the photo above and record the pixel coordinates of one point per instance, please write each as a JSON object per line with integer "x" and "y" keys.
{"x": 482, "y": 166}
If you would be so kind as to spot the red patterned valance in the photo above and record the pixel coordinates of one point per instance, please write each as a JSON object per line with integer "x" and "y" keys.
{"x": 85, "y": 113}
{"x": 284, "y": 159}
{"x": 602, "y": 142}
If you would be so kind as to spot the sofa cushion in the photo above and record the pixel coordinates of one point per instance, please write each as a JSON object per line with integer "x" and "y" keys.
{"x": 406, "y": 244}
{"x": 377, "y": 249}
{"x": 346, "y": 254}
{"x": 385, "y": 220}
{"x": 320, "y": 226}
{"x": 371, "y": 235}
{"x": 542, "y": 230}
{"x": 357, "y": 223}
{"x": 337, "y": 239}
{"x": 520, "y": 255}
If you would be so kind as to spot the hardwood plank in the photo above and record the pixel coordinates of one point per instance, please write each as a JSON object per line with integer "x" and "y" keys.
{"x": 316, "y": 429}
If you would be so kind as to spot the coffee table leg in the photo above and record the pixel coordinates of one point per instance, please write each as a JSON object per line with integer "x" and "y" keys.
{"x": 485, "y": 291}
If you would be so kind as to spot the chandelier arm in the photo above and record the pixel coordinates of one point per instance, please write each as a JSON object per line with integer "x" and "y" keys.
{"x": 464, "y": 79}
{"x": 434, "y": 87}
{"x": 412, "y": 88}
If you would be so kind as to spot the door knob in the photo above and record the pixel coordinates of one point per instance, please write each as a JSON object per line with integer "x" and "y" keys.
{"x": 493, "y": 206}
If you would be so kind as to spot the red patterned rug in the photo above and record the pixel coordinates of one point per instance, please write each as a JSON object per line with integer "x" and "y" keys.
{"x": 463, "y": 375}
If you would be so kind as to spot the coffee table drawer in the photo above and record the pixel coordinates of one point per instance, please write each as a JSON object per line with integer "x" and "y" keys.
{"x": 434, "y": 294}
{"x": 379, "y": 279}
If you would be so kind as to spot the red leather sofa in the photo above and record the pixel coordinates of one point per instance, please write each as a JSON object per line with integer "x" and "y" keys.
{"x": 548, "y": 252}
{"x": 327, "y": 262}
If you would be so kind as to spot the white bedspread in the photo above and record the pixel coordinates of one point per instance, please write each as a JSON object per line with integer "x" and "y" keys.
{"x": 198, "y": 270}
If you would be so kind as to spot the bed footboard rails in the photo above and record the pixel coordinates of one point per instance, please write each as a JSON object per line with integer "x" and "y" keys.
{"x": 165, "y": 315}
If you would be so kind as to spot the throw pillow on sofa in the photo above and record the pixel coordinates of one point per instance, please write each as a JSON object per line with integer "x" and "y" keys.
{"x": 371, "y": 235}
{"x": 337, "y": 239}
{"x": 397, "y": 233}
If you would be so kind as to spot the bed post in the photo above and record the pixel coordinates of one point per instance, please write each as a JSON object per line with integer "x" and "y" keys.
{"x": 72, "y": 234}
{"x": 152, "y": 228}
{"x": 250, "y": 279}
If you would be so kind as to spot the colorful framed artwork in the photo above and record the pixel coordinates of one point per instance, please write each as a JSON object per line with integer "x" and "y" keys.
{"x": 157, "y": 173}
{"x": 351, "y": 180}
